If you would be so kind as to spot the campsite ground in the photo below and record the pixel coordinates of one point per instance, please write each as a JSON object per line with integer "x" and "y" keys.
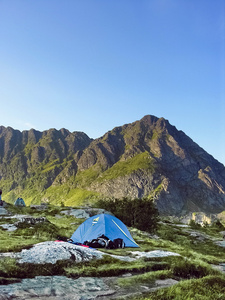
{"x": 196, "y": 273}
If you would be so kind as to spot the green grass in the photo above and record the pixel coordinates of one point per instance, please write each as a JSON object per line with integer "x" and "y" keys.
{"x": 174, "y": 267}
{"x": 109, "y": 266}
{"x": 207, "y": 288}
{"x": 178, "y": 240}
{"x": 63, "y": 194}
{"x": 10, "y": 269}
{"x": 80, "y": 197}
{"x": 27, "y": 235}
{"x": 148, "y": 277}
{"x": 123, "y": 168}
{"x": 86, "y": 177}
{"x": 11, "y": 242}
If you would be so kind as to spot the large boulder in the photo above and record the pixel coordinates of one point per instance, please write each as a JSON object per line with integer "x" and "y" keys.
{"x": 51, "y": 252}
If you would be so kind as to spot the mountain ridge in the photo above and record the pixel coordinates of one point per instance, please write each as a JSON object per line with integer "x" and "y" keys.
{"x": 146, "y": 158}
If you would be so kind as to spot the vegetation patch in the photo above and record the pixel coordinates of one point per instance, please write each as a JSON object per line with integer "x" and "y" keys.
{"x": 86, "y": 177}
{"x": 139, "y": 213}
{"x": 142, "y": 161}
{"x": 174, "y": 267}
{"x": 9, "y": 268}
{"x": 109, "y": 266}
{"x": 209, "y": 287}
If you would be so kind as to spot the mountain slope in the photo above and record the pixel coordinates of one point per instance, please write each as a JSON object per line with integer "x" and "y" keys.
{"x": 31, "y": 160}
{"x": 148, "y": 158}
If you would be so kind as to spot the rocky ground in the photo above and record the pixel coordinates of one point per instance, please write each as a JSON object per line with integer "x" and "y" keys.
{"x": 81, "y": 288}
{"x": 61, "y": 287}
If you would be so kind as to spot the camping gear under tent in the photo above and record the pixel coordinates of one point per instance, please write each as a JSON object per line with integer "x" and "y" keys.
{"x": 103, "y": 224}
{"x": 19, "y": 202}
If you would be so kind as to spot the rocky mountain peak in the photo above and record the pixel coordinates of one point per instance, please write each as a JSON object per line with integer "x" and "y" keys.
{"x": 146, "y": 158}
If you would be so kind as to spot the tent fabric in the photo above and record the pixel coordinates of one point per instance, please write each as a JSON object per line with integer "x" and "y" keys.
{"x": 105, "y": 224}
{"x": 19, "y": 202}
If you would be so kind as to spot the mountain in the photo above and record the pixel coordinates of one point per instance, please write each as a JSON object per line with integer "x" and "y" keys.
{"x": 147, "y": 158}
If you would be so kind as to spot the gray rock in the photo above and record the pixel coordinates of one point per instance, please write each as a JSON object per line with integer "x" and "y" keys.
{"x": 154, "y": 253}
{"x": 9, "y": 227}
{"x": 222, "y": 233}
{"x": 84, "y": 213}
{"x": 77, "y": 213}
{"x": 30, "y": 220}
{"x": 16, "y": 255}
{"x": 59, "y": 287}
{"x": 162, "y": 283}
{"x": 43, "y": 206}
{"x": 221, "y": 243}
{"x": 25, "y": 219}
{"x": 51, "y": 252}
{"x": 3, "y": 211}
{"x": 5, "y": 297}
{"x": 220, "y": 267}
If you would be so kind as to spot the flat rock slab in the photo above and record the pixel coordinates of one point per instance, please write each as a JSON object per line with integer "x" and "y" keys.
{"x": 8, "y": 227}
{"x": 221, "y": 243}
{"x": 51, "y": 252}
{"x": 155, "y": 253}
{"x": 57, "y": 287}
{"x": 83, "y": 288}
{"x": 163, "y": 283}
{"x": 3, "y": 211}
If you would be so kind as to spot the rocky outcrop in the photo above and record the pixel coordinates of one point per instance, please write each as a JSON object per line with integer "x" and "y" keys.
{"x": 82, "y": 288}
{"x": 56, "y": 287}
{"x": 175, "y": 171}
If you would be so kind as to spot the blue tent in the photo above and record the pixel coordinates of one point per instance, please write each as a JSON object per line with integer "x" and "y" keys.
{"x": 105, "y": 224}
{"x": 19, "y": 202}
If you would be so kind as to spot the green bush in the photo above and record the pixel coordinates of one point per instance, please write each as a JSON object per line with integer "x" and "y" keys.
{"x": 139, "y": 213}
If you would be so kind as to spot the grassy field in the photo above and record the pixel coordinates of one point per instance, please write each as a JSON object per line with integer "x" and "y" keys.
{"x": 193, "y": 268}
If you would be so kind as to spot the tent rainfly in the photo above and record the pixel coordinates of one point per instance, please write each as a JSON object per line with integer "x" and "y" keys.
{"x": 103, "y": 224}
{"x": 19, "y": 202}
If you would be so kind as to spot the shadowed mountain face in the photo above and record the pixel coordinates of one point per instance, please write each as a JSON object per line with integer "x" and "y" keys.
{"x": 147, "y": 158}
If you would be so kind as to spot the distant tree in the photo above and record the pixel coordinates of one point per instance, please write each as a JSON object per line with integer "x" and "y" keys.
{"x": 139, "y": 213}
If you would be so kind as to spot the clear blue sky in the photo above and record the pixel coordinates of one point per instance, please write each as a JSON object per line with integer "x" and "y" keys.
{"x": 92, "y": 65}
